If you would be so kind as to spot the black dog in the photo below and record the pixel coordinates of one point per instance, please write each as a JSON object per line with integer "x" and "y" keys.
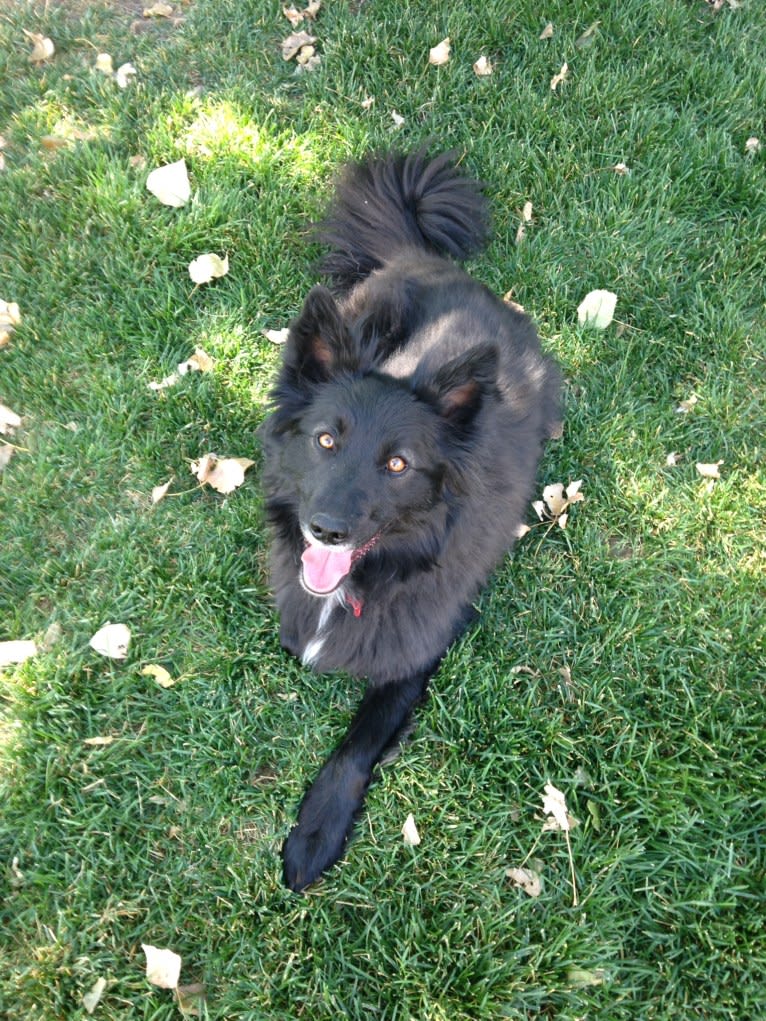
{"x": 408, "y": 421}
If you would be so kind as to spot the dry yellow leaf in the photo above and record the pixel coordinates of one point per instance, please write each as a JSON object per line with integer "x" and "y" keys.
{"x": 527, "y": 879}
{"x": 163, "y": 967}
{"x": 159, "y": 673}
{"x": 709, "y": 471}
{"x": 16, "y": 651}
{"x": 112, "y": 640}
{"x": 440, "y": 53}
{"x": 158, "y": 10}
{"x": 9, "y": 421}
{"x": 208, "y": 267}
{"x": 547, "y": 32}
{"x": 91, "y": 998}
{"x": 124, "y": 74}
{"x": 557, "y": 79}
{"x": 410, "y": 831}
{"x": 99, "y": 742}
{"x": 293, "y": 44}
{"x": 42, "y": 47}
{"x": 104, "y": 63}
{"x": 159, "y": 492}
{"x": 482, "y": 67}
{"x": 222, "y": 474}
{"x": 170, "y": 184}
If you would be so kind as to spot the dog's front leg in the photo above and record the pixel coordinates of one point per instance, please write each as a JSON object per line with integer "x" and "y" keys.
{"x": 333, "y": 801}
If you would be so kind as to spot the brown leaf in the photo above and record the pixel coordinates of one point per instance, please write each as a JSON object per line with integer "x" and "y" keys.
{"x": 293, "y": 44}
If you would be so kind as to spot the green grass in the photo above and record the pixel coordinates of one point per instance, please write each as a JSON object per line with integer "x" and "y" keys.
{"x": 652, "y": 598}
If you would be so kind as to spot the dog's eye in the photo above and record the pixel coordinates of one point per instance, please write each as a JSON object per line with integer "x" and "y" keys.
{"x": 396, "y": 465}
{"x": 326, "y": 441}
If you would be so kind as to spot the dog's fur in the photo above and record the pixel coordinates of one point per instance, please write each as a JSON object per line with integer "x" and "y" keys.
{"x": 407, "y": 424}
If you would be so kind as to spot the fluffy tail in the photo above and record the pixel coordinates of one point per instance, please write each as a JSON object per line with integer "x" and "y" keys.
{"x": 390, "y": 203}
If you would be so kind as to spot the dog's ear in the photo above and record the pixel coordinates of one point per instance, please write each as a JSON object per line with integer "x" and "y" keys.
{"x": 458, "y": 388}
{"x": 319, "y": 343}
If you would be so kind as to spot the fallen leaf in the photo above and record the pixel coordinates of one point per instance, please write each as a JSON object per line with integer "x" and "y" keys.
{"x": 526, "y": 217}
{"x": 527, "y": 879}
{"x": 123, "y": 76}
{"x": 684, "y": 407}
{"x": 293, "y": 15}
{"x": 277, "y": 336}
{"x": 752, "y": 145}
{"x": 293, "y": 44}
{"x": 672, "y": 459}
{"x": 621, "y": 169}
{"x": 222, "y": 474}
{"x": 208, "y": 267}
{"x": 159, "y": 673}
{"x": 159, "y": 492}
{"x": 42, "y": 47}
{"x": 586, "y": 39}
{"x": 597, "y": 309}
{"x": 6, "y": 453}
{"x": 10, "y": 317}
{"x": 367, "y": 102}
{"x": 557, "y": 79}
{"x": 397, "y": 118}
{"x": 163, "y": 967}
{"x": 200, "y": 361}
{"x": 111, "y": 640}
{"x": 482, "y": 67}
{"x": 709, "y": 471}
{"x": 554, "y": 804}
{"x": 313, "y": 9}
{"x": 580, "y": 978}
{"x": 508, "y": 299}
{"x": 440, "y": 53}
{"x": 91, "y": 998}
{"x": 16, "y": 652}
{"x": 17, "y": 877}
{"x": 98, "y": 742}
{"x": 191, "y": 999}
{"x": 9, "y": 421}
{"x": 53, "y": 142}
{"x": 557, "y": 500}
{"x": 308, "y": 59}
{"x": 104, "y": 63}
{"x": 410, "y": 831}
{"x": 170, "y": 184}
{"x": 158, "y": 10}
{"x": 547, "y": 32}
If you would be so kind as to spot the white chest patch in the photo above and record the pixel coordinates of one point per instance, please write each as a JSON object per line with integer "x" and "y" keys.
{"x": 315, "y": 646}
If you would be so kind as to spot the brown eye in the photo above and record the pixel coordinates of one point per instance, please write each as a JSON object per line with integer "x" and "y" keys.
{"x": 396, "y": 465}
{"x": 326, "y": 441}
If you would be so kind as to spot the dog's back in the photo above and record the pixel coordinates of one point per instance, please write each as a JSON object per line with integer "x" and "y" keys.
{"x": 408, "y": 421}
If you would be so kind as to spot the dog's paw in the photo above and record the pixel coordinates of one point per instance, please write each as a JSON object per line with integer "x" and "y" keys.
{"x": 306, "y": 854}
{"x": 325, "y": 821}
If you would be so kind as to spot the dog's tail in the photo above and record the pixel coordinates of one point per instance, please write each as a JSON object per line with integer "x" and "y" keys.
{"x": 390, "y": 203}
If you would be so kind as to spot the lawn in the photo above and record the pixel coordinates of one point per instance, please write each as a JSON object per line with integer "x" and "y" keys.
{"x": 622, "y": 658}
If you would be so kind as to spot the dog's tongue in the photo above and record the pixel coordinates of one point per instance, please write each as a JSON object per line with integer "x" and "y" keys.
{"x": 323, "y": 568}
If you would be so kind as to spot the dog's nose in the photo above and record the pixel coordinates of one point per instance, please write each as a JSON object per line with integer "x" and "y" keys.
{"x": 329, "y": 530}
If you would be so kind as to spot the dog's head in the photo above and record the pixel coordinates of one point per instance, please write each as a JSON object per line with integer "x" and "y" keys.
{"x": 365, "y": 458}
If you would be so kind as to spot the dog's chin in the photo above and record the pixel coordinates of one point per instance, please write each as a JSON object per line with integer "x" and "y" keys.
{"x": 320, "y": 594}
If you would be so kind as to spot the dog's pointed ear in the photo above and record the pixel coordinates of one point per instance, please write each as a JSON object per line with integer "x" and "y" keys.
{"x": 459, "y": 387}
{"x": 319, "y": 343}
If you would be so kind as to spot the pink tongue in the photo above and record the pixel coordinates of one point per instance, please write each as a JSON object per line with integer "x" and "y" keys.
{"x": 324, "y": 568}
